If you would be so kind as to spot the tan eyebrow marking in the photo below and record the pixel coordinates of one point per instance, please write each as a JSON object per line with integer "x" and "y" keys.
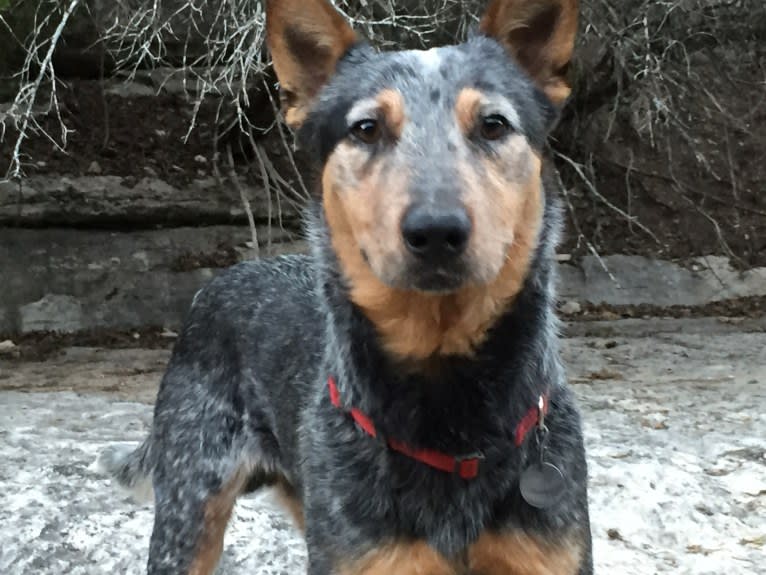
{"x": 467, "y": 106}
{"x": 391, "y": 103}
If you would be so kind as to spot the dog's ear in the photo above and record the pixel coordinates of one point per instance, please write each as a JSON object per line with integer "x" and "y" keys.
{"x": 306, "y": 39}
{"x": 540, "y": 35}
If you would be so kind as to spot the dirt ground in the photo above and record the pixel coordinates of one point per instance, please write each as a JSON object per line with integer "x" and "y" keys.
{"x": 136, "y": 135}
{"x": 675, "y": 414}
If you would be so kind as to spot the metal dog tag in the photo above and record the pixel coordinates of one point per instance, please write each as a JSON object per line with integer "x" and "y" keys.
{"x": 542, "y": 485}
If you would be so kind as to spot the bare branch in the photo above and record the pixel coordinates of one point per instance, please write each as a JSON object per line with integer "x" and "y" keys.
{"x": 21, "y": 111}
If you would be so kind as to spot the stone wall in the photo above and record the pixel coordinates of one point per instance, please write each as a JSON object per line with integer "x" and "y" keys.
{"x": 64, "y": 279}
{"x": 119, "y": 231}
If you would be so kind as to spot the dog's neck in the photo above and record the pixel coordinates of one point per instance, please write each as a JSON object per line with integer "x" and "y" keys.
{"x": 517, "y": 361}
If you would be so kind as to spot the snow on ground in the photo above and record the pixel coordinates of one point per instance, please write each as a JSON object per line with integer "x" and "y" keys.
{"x": 675, "y": 427}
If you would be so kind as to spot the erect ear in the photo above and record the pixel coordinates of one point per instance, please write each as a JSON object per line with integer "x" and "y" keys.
{"x": 540, "y": 35}
{"x": 306, "y": 39}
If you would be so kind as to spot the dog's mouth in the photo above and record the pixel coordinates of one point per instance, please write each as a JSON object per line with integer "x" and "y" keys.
{"x": 434, "y": 278}
{"x": 437, "y": 279}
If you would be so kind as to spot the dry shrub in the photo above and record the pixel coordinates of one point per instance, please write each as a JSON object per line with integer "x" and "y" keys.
{"x": 667, "y": 102}
{"x": 643, "y": 86}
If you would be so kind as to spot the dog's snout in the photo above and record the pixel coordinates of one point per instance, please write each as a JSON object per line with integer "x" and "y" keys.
{"x": 436, "y": 233}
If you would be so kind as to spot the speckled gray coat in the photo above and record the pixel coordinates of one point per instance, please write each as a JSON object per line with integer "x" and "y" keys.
{"x": 246, "y": 387}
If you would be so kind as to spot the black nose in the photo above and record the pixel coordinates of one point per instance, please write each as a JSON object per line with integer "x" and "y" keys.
{"x": 433, "y": 232}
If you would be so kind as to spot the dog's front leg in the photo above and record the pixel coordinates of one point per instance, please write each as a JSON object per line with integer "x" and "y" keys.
{"x": 189, "y": 523}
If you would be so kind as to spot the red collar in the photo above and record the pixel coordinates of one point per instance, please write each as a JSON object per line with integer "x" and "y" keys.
{"x": 467, "y": 467}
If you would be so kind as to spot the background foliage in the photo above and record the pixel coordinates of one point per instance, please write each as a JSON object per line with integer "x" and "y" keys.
{"x": 664, "y": 137}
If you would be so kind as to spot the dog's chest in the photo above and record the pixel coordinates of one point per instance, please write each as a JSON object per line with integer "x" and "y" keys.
{"x": 513, "y": 552}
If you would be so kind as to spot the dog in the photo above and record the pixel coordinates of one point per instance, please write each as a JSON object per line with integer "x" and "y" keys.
{"x": 401, "y": 385}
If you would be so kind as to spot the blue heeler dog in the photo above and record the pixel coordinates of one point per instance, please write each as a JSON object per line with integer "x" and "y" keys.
{"x": 401, "y": 386}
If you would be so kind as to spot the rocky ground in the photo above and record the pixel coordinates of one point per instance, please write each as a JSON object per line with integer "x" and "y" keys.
{"x": 675, "y": 415}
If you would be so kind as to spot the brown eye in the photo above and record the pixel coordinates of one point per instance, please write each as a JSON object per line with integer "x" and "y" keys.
{"x": 367, "y": 131}
{"x": 494, "y": 127}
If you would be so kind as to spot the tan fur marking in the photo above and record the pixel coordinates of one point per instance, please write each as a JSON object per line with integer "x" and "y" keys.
{"x": 540, "y": 34}
{"x": 288, "y": 498}
{"x": 466, "y": 108}
{"x": 415, "y": 325}
{"x": 415, "y": 558}
{"x": 363, "y": 206}
{"x": 505, "y": 201}
{"x": 516, "y": 553}
{"x": 391, "y": 104}
{"x": 217, "y": 514}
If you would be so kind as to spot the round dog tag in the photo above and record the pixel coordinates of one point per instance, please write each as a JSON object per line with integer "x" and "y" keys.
{"x": 542, "y": 485}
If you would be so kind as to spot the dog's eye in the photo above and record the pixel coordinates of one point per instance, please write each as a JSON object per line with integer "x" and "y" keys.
{"x": 367, "y": 131}
{"x": 494, "y": 127}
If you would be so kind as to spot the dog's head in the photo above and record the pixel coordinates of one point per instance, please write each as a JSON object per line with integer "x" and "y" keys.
{"x": 431, "y": 160}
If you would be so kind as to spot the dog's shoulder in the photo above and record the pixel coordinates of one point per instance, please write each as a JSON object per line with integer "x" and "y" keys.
{"x": 258, "y": 279}
{"x": 271, "y": 290}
